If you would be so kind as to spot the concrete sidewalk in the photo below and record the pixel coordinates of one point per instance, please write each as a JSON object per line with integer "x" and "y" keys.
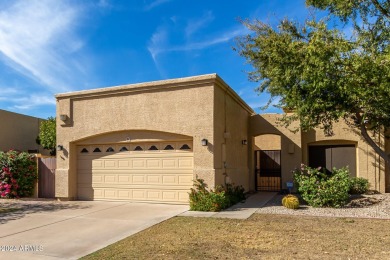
{"x": 238, "y": 211}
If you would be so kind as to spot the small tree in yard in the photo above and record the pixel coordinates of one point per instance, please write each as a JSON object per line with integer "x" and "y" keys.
{"x": 323, "y": 74}
{"x": 47, "y": 135}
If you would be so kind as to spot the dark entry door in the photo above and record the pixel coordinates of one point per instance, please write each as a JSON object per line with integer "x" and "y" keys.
{"x": 333, "y": 156}
{"x": 268, "y": 170}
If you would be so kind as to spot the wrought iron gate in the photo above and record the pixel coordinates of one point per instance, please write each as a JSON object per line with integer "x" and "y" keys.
{"x": 268, "y": 170}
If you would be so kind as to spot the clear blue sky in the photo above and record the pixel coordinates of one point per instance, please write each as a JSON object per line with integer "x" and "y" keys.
{"x": 54, "y": 46}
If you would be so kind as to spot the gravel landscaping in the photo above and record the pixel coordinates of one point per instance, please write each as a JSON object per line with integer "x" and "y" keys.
{"x": 360, "y": 206}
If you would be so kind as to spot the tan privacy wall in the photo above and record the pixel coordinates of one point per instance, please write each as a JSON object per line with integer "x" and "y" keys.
{"x": 18, "y": 132}
{"x": 172, "y": 110}
{"x": 230, "y": 130}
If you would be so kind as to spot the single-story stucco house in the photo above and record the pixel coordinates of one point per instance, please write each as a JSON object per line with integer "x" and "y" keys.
{"x": 19, "y": 132}
{"x": 149, "y": 141}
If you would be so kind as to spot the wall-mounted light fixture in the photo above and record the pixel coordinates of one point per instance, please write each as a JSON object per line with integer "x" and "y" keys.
{"x": 60, "y": 147}
{"x": 63, "y": 117}
{"x": 204, "y": 142}
{"x": 244, "y": 142}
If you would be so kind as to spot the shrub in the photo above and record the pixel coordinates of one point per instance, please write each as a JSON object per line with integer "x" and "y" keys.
{"x": 17, "y": 174}
{"x": 321, "y": 189}
{"x": 201, "y": 199}
{"x": 234, "y": 193}
{"x": 290, "y": 201}
{"x": 358, "y": 185}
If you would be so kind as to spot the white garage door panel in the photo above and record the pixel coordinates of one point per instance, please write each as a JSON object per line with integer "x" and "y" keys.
{"x": 104, "y": 173}
{"x": 137, "y": 179}
{"x": 138, "y": 163}
{"x": 134, "y": 194}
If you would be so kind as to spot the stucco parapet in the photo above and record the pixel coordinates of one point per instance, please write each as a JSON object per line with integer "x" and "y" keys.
{"x": 141, "y": 87}
{"x": 222, "y": 84}
{"x": 159, "y": 85}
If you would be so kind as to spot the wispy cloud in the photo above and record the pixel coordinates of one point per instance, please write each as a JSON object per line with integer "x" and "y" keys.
{"x": 37, "y": 39}
{"x": 195, "y": 25}
{"x": 7, "y": 91}
{"x": 159, "y": 41}
{"x": 104, "y": 4}
{"x": 217, "y": 39}
{"x": 155, "y": 3}
{"x": 30, "y": 101}
{"x": 22, "y": 99}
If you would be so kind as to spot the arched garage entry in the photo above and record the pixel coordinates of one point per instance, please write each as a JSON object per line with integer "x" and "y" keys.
{"x": 135, "y": 165}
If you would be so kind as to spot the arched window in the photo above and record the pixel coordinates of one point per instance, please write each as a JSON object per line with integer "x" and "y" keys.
{"x": 153, "y": 148}
{"x": 123, "y": 149}
{"x": 110, "y": 150}
{"x": 185, "y": 147}
{"x": 138, "y": 148}
{"x": 168, "y": 147}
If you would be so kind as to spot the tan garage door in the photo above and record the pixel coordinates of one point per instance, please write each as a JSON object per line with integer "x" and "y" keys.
{"x": 158, "y": 172}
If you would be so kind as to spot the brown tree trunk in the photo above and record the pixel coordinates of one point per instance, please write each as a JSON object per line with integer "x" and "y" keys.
{"x": 367, "y": 137}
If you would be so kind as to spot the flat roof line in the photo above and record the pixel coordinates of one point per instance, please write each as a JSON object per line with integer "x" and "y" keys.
{"x": 155, "y": 85}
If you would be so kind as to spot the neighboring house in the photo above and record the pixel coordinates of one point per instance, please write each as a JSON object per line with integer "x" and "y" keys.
{"x": 19, "y": 132}
{"x": 149, "y": 141}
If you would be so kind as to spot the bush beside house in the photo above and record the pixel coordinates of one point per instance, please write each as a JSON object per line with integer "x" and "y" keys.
{"x": 321, "y": 189}
{"x": 18, "y": 174}
{"x": 358, "y": 185}
{"x": 222, "y": 197}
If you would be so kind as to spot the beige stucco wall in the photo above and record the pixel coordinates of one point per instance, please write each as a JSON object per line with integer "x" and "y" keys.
{"x": 267, "y": 142}
{"x": 291, "y": 152}
{"x": 230, "y": 129}
{"x": 294, "y": 147}
{"x": 180, "y": 108}
{"x": 18, "y": 132}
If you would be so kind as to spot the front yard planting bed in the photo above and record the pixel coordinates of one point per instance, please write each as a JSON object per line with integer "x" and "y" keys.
{"x": 262, "y": 236}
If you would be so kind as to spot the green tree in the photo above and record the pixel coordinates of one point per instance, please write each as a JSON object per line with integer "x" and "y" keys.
{"x": 323, "y": 73}
{"x": 47, "y": 135}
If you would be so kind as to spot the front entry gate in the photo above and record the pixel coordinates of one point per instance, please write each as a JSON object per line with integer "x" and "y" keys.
{"x": 268, "y": 171}
{"x": 46, "y": 177}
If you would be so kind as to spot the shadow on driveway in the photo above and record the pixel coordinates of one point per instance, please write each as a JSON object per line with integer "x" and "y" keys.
{"x": 13, "y": 209}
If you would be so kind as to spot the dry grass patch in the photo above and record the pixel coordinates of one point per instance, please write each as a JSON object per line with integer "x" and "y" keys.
{"x": 261, "y": 236}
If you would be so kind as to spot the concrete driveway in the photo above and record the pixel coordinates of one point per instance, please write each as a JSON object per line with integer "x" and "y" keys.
{"x": 69, "y": 230}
